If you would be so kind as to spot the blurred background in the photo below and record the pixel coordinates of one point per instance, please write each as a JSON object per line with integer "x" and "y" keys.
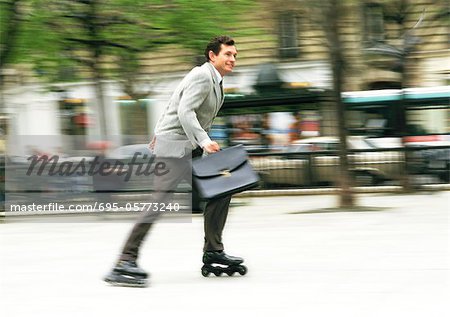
{"x": 325, "y": 93}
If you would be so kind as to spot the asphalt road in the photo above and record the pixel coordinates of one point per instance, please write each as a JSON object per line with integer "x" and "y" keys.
{"x": 389, "y": 257}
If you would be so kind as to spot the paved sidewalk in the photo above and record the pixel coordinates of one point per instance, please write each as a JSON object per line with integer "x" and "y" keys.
{"x": 390, "y": 257}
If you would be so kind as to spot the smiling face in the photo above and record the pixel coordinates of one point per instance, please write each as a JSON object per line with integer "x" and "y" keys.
{"x": 226, "y": 59}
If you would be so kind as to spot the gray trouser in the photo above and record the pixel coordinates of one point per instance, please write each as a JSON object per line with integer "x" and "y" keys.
{"x": 215, "y": 213}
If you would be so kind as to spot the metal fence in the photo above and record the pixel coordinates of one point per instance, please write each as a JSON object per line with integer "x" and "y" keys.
{"x": 420, "y": 165}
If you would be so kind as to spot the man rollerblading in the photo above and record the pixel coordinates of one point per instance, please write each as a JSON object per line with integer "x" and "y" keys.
{"x": 181, "y": 134}
{"x": 224, "y": 264}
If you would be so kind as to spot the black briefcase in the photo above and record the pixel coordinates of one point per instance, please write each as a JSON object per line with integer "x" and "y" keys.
{"x": 223, "y": 173}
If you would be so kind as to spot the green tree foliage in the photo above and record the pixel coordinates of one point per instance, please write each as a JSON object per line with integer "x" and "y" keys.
{"x": 58, "y": 35}
{"x": 195, "y": 22}
{"x": 10, "y": 21}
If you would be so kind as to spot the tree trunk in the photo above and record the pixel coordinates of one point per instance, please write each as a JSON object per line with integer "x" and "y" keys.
{"x": 402, "y": 124}
{"x": 9, "y": 35}
{"x": 346, "y": 197}
{"x": 103, "y": 131}
{"x": 402, "y": 114}
{"x": 96, "y": 49}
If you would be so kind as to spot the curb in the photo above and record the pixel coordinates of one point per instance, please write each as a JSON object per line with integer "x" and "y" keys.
{"x": 277, "y": 192}
{"x": 333, "y": 191}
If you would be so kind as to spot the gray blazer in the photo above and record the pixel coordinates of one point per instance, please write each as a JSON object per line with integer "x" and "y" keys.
{"x": 190, "y": 113}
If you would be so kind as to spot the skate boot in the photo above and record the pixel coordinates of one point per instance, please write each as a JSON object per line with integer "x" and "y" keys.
{"x": 127, "y": 273}
{"x": 224, "y": 264}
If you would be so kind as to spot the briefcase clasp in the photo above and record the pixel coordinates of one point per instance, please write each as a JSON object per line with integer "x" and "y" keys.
{"x": 225, "y": 173}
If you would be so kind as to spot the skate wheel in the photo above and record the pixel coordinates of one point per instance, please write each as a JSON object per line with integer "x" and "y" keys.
{"x": 230, "y": 273}
{"x": 217, "y": 273}
{"x": 205, "y": 272}
{"x": 242, "y": 270}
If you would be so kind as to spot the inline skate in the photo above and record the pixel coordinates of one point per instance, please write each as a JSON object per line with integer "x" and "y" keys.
{"x": 127, "y": 273}
{"x": 217, "y": 263}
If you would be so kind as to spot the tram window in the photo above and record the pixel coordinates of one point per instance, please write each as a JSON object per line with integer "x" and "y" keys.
{"x": 428, "y": 121}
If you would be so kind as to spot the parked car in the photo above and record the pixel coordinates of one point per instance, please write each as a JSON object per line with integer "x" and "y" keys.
{"x": 63, "y": 172}
{"x": 428, "y": 160}
{"x": 77, "y": 177}
{"x": 438, "y": 163}
{"x": 314, "y": 161}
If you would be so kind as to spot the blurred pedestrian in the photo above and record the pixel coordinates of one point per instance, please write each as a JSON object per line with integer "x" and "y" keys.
{"x": 295, "y": 128}
{"x": 181, "y": 133}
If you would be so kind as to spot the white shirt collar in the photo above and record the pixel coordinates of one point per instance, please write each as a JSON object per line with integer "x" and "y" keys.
{"x": 218, "y": 76}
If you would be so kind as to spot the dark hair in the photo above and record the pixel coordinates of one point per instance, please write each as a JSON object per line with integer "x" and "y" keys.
{"x": 215, "y": 44}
